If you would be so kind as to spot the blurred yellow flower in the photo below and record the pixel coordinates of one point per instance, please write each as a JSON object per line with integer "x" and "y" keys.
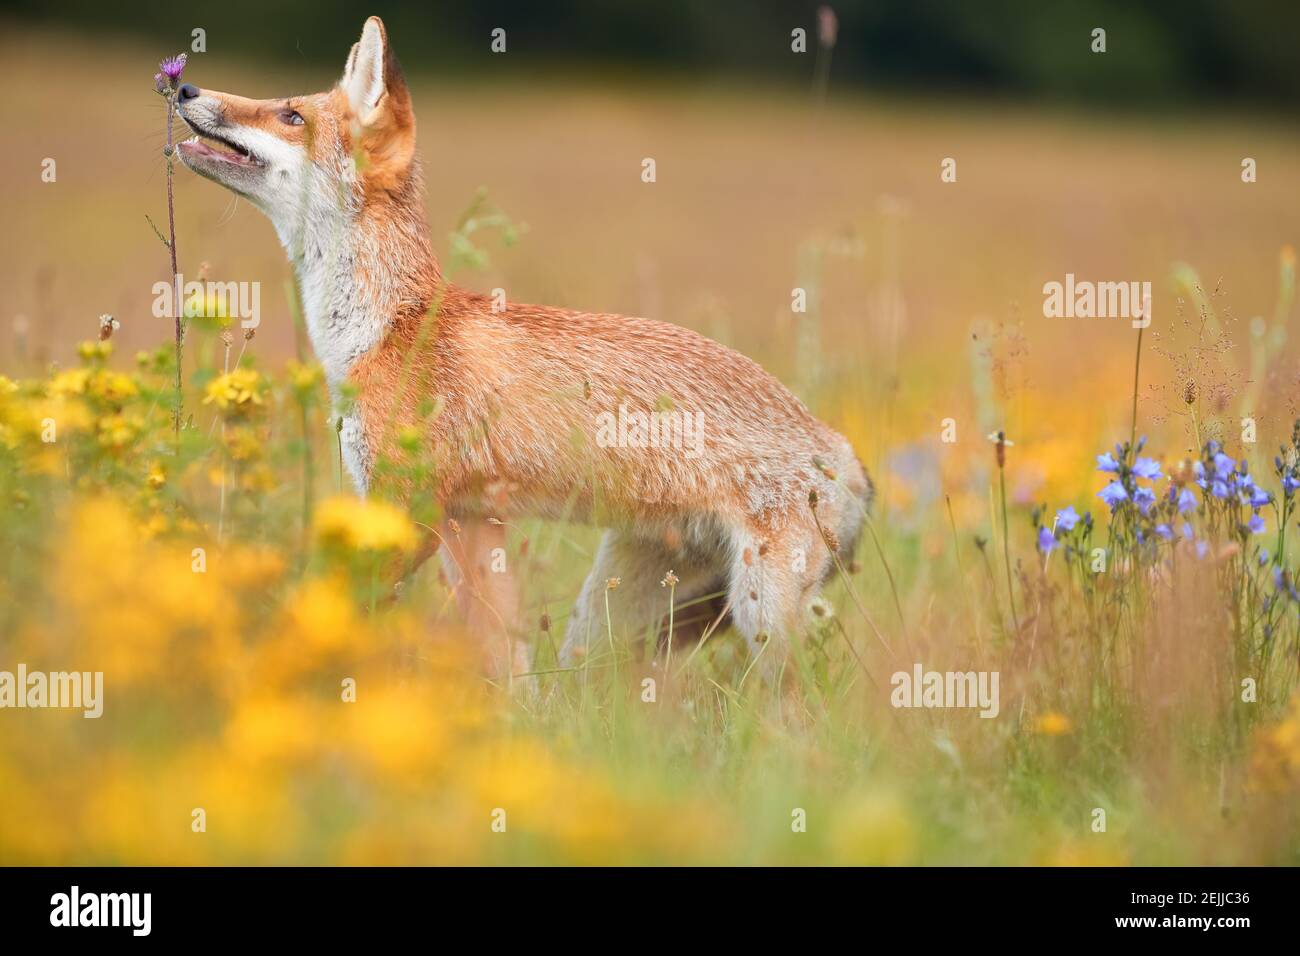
{"x": 103, "y": 384}
{"x": 1053, "y": 724}
{"x": 1275, "y": 755}
{"x": 70, "y": 382}
{"x": 239, "y": 391}
{"x": 874, "y": 830}
{"x": 304, "y": 377}
{"x": 364, "y": 525}
{"x": 94, "y": 350}
{"x": 117, "y": 431}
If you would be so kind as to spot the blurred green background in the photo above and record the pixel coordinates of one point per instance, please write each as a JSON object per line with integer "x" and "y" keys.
{"x": 1158, "y": 52}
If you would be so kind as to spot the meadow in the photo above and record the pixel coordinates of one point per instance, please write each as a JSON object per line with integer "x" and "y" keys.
{"x": 228, "y": 584}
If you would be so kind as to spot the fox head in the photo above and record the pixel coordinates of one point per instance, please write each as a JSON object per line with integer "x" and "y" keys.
{"x": 296, "y": 156}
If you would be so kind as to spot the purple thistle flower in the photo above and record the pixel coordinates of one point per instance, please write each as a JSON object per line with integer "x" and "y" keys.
{"x": 1147, "y": 468}
{"x": 1259, "y": 497}
{"x": 1186, "y": 501}
{"x": 173, "y": 66}
{"x": 1113, "y": 494}
{"x": 1165, "y": 532}
{"x": 1144, "y": 498}
{"x": 1256, "y": 524}
{"x": 1107, "y": 462}
{"x": 1067, "y": 518}
{"x": 1199, "y": 470}
{"x": 1220, "y": 489}
{"x": 1046, "y": 540}
{"x": 1290, "y": 484}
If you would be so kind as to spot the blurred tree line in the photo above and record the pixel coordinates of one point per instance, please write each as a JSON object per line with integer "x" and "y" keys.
{"x": 1158, "y": 52}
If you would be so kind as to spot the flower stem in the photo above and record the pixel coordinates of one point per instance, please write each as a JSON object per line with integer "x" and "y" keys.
{"x": 171, "y": 245}
{"x": 1137, "y": 366}
{"x": 1006, "y": 546}
{"x": 672, "y": 607}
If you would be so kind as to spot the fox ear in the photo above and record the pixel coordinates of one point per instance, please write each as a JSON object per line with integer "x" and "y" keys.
{"x": 381, "y": 103}
{"x": 364, "y": 75}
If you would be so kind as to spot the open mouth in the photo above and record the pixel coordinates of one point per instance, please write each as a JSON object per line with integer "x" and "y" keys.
{"x": 213, "y": 146}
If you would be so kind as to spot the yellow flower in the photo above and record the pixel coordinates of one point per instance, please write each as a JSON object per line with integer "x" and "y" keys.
{"x": 874, "y": 829}
{"x": 1275, "y": 754}
{"x": 103, "y": 384}
{"x": 117, "y": 431}
{"x": 211, "y": 310}
{"x": 157, "y": 476}
{"x": 89, "y": 350}
{"x": 364, "y": 525}
{"x": 71, "y": 382}
{"x": 1052, "y": 724}
{"x": 243, "y": 445}
{"x": 238, "y": 391}
{"x": 303, "y": 378}
{"x": 111, "y": 386}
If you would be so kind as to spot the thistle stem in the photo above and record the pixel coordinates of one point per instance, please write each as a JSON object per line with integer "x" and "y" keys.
{"x": 171, "y": 246}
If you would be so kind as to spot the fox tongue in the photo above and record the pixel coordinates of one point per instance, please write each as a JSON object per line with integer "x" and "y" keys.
{"x": 203, "y": 147}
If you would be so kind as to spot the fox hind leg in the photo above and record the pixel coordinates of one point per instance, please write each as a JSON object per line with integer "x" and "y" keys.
{"x": 774, "y": 574}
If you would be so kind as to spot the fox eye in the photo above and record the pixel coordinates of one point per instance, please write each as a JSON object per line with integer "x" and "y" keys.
{"x": 292, "y": 117}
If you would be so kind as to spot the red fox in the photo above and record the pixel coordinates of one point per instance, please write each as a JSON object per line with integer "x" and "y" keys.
{"x": 695, "y": 459}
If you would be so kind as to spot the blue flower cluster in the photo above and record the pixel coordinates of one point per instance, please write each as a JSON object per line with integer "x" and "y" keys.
{"x": 1152, "y": 515}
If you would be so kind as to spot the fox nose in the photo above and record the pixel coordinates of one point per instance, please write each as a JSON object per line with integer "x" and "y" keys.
{"x": 188, "y": 91}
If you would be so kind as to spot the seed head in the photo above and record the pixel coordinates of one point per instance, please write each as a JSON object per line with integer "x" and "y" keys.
{"x": 832, "y": 539}
{"x": 999, "y": 438}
